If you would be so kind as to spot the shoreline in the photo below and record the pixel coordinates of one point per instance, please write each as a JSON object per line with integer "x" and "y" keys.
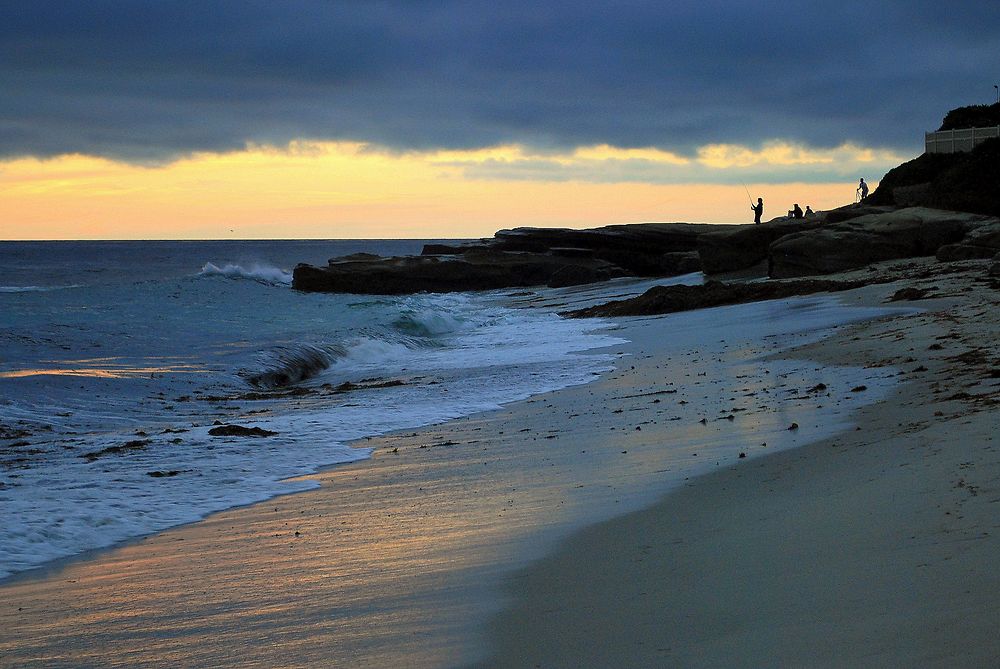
{"x": 876, "y": 546}
{"x": 275, "y": 540}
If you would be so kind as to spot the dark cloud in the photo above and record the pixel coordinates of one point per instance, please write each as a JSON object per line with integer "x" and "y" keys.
{"x": 149, "y": 81}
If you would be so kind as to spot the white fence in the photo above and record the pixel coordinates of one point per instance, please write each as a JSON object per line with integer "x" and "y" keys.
{"x": 954, "y": 141}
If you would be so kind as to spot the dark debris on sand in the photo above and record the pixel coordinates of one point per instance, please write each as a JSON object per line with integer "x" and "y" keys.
{"x": 240, "y": 431}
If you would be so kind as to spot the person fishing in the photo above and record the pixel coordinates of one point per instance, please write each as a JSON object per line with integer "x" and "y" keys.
{"x": 862, "y": 190}
{"x": 758, "y": 210}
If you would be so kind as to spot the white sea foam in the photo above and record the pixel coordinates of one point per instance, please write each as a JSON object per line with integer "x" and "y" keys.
{"x": 256, "y": 272}
{"x": 35, "y": 289}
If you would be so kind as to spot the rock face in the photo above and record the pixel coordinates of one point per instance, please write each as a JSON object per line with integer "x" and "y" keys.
{"x": 517, "y": 258}
{"x": 645, "y": 249}
{"x": 745, "y": 245}
{"x": 905, "y": 233}
{"x": 850, "y": 211}
{"x": 980, "y": 243}
{"x": 482, "y": 270}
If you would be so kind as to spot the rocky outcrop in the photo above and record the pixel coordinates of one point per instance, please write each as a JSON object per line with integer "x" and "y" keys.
{"x": 480, "y": 270}
{"x": 851, "y": 211}
{"x": 642, "y": 249}
{"x": 518, "y": 258}
{"x": 837, "y": 247}
{"x": 982, "y": 242}
{"x": 745, "y": 245}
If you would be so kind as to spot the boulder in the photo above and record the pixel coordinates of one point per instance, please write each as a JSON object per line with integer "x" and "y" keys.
{"x": 952, "y": 252}
{"x": 681, "y": 262}
{"x": 981, "y": 242}
{"x": 745, "y": 245}
{"x": 985, "y": 233}
{"x": 905, "y": 233}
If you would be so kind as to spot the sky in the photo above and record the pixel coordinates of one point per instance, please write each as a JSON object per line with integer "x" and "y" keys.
{"x": 350, "y": 119}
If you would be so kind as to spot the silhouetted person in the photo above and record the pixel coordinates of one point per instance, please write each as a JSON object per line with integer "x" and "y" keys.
{"x": 796, "y": 211}
{"x": 758, "y": 211}
{"x": 862, "y": 189}
{"x": 809, "y": 211}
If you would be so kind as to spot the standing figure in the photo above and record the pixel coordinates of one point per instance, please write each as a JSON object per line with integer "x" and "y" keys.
{"x": 862, "y": 189}
{"x": 758, "y": 210}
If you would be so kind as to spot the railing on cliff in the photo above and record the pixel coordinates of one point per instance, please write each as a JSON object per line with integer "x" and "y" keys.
{"x": 955, "y": 141}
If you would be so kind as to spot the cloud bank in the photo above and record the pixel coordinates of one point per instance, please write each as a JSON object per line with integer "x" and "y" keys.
{"x": 152, "y": 81}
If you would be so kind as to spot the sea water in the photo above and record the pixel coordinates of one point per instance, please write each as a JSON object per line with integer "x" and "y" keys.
{"x": 118, "y": 358}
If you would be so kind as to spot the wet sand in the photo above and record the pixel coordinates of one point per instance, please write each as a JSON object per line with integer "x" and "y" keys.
{"x": 402, "y": 560}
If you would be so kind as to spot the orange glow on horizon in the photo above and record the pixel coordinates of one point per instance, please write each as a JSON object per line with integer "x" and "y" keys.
{"x": 349, "y": 190}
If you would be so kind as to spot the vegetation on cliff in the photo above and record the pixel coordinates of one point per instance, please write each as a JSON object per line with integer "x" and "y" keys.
{"x": 974, "y": 116}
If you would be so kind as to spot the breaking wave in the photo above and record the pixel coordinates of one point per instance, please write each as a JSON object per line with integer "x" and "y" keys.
{"x": 261, "y": 273}
{"x": 284, "y": 366}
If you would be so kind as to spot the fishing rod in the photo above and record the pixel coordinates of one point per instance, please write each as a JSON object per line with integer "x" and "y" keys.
{"x": 749, "y": 197}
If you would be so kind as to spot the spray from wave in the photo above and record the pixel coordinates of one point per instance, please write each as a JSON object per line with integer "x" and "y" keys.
{"x": 266, "y": 274}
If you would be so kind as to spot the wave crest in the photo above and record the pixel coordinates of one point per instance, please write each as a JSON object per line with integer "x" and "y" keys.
{"x": 427, "y": 323}
{"x": 284, "y": 366}
{"x": 267, "y": 274}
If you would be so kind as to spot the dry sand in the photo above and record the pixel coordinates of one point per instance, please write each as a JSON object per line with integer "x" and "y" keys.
{"x": 876, "y": 545}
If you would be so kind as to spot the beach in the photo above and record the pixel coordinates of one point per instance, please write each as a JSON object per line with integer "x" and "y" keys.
{"x": 839, "y": 525}
{"x": 875, "y": 547}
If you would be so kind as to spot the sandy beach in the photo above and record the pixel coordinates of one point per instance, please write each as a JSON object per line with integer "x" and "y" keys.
{"x": 874, "y": 548}
{"x": 558, "y": 532}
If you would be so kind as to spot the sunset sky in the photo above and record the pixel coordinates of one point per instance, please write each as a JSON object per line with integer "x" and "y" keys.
{"x": 128, "y": 120}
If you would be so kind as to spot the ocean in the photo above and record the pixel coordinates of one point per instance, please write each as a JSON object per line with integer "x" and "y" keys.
{"x": 118, "y": 358}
